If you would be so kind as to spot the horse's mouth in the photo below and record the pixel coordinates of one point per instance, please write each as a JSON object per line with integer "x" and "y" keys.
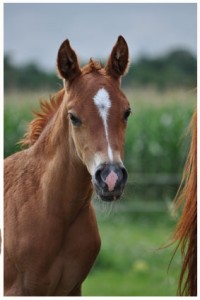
{"x": 106, "y": 195}
{"x": 110, "y": 198}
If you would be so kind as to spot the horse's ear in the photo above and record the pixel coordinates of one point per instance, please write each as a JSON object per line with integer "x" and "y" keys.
{"x": 118, "y": 61}
{"x": 67, "y": 62}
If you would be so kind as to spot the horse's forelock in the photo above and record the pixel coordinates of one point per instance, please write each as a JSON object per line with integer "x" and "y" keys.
{"x": 93, "y": 66}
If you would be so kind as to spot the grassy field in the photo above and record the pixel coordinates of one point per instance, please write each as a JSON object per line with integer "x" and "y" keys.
{"x": 132, "y": 260}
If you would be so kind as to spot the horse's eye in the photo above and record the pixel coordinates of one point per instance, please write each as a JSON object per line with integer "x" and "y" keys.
{"x": 127, "y": 114}
{"x": 75, "y": 121}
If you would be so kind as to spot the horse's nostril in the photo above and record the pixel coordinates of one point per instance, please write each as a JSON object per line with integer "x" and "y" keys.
{"x": 111, "y": 176}
{"x": 125, "y": 174}
{"x": 98, "y": 175}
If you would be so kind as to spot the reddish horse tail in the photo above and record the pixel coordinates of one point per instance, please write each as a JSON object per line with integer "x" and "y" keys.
{"x": 186, "y": 230}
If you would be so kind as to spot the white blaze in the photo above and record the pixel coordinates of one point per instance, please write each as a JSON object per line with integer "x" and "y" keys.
{"x": 103, "y": 103}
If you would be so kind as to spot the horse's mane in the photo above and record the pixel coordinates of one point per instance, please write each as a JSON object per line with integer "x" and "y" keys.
{"x": 42, "y": 117}
{"x": 48, "y": 108}
{"x": 186, "y": 230}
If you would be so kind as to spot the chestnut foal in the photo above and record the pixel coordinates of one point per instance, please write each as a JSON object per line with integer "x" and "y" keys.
{"x": 75, "y": 144}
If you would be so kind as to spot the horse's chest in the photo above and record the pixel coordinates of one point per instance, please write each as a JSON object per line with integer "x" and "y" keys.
{"x": 82, "y": 244}
{"x": 62, "y": 259}
{"x": 76, "y": 261}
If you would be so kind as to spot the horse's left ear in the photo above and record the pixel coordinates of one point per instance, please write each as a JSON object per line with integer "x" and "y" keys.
{"x": 118, "y": 61}
{"x": 67, "y": 62}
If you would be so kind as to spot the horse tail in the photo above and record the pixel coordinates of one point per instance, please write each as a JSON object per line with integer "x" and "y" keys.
{"x": 186, "y": 229}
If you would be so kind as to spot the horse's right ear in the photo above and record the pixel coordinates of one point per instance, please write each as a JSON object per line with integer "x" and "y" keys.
{"x": 119, "y": 59}
{"x": 67, "y": 62}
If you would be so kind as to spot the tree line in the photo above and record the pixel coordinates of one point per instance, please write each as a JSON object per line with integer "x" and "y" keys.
{"x": 175, "y": 69}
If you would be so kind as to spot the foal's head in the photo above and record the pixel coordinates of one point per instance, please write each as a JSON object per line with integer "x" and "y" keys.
{"x": 98, "y": 112}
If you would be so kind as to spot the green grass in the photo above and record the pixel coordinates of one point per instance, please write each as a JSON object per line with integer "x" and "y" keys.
{"x": 132, "y": 260}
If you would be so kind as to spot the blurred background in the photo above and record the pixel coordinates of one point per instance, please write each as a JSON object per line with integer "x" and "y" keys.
{"x": 161, "y": 87}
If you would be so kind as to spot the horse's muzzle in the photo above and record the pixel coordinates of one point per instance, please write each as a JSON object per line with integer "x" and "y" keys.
{"x": 109, "y": 181}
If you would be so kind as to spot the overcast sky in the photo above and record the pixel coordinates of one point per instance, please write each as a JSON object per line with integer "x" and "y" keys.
{"x": 34, "y": 32}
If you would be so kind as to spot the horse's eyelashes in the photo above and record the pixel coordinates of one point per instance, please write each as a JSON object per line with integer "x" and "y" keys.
{"x": 74, "y": 119}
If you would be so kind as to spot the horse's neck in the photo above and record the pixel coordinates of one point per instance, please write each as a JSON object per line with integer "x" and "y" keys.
{"x": 66, "y": 183}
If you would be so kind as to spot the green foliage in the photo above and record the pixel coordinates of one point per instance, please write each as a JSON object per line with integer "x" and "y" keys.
{"x": 14, "y": 125}
{"x": 28, "y": 77}
{"x": 153, "y": 142}
{"x": 18, "y": 108}
{"x": 176, "y": 69}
